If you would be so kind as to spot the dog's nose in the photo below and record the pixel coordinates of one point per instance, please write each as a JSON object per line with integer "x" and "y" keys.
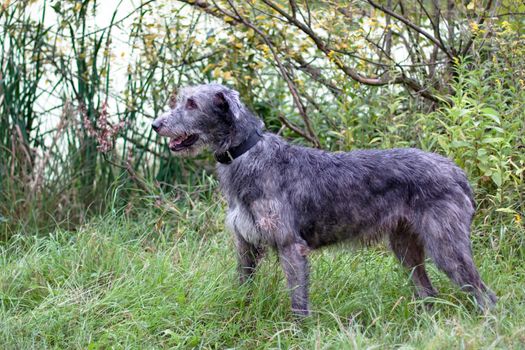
{"x": 156, "y": 125}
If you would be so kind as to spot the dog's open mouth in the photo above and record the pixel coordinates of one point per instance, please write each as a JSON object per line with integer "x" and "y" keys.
{"x": 182, "y": 142}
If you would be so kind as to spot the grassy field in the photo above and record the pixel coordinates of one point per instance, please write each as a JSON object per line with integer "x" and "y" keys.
{"x": 166, "y": 278}
{"x": 93, "y": 257}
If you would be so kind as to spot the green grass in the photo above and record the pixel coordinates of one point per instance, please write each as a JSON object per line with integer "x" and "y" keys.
{"x": 163, "y": 279}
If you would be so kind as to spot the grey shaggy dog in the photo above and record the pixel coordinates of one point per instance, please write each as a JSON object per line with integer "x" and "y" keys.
{"x": 296, "y": 199}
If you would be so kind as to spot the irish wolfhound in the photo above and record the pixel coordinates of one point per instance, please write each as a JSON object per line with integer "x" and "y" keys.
{"x": 295, "y": 199}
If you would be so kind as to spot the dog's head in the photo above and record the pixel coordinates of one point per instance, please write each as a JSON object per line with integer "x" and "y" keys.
{"x": 204, "y": 115}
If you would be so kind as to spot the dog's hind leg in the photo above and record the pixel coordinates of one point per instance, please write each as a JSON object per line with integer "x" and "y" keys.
{"x": 410, "y": 252}
{"x": 448, "y": 244}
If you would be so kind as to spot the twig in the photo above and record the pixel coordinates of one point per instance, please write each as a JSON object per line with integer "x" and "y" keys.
{"x": 139, "y": 181}
{"x": 291, "y": 86}
{"x": 385, "y": 80}
{"x": 413, "y": 26}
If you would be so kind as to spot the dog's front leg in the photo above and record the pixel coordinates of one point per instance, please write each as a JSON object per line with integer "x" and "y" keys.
{"x": 272, "y": 219}
{"x": 295, "y": 265}
{"x": 248, "y": 255}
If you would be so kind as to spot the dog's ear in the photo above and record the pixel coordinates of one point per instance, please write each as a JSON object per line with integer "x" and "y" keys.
{"x": 219, "y": 101}
{"x": 228, "y": 101}
{"x": 191, "y": 104}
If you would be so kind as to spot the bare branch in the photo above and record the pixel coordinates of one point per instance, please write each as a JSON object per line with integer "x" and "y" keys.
{"x": 450, "y": 13}
{"x": 308, "y": 19}
{"x": 293, "y": 6}
{"x": 291, "y": 86}
{"x": 412, "y": 26}
{"x": 434, "y": 21}
{"x": 315, "y": 74}
{"x": 385, "y": 80}
{"x": 235, "y": 18}
{"x": 295, "y": 129}
{"x": 388, "y": 37}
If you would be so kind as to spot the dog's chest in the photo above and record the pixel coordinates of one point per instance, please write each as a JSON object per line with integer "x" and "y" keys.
{"x": 241, "y": 186}
{"x": 240, "y": 221}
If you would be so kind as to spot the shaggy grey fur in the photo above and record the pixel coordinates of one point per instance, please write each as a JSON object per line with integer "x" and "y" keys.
{"x": 295, "y": 199}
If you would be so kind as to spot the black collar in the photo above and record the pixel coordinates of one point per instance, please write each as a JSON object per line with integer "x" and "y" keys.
{"x": 237, "y": 151}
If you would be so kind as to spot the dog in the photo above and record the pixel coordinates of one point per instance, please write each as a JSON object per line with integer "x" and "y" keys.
{"x": 296, "y": 199}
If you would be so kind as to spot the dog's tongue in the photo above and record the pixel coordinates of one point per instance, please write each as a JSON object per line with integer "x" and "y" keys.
{"x": 177, "y": 141}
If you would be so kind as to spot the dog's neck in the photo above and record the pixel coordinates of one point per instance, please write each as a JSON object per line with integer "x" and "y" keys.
{"x": 236, "y": 151}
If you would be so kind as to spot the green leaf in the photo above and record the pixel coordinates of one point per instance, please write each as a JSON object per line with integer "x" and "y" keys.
{"x": 492, "y": 114}
{"x": 458, "y": 144}
{"x": 444, "y": 144}
{"x": 506, "y": 210}
{"x": 493, "y": 140}
{"x": 496, "y": 177}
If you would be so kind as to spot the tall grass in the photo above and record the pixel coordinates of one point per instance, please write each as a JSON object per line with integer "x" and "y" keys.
{"x": 152, "y": 277}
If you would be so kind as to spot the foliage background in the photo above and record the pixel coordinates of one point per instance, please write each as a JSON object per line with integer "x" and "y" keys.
{"x": 80, "y": 82}
{"x": 79, "y": 88}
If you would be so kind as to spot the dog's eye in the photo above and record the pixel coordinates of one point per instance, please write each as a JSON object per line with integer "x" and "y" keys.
{"x": 191, "y": 104}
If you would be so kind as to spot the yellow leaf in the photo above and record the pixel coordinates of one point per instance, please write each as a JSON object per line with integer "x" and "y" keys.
{"x": 208, "y": 67}
{"x": 150, "y": 36}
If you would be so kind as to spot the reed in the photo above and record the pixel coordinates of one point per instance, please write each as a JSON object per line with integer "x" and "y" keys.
{"x": 69, "y": 133}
